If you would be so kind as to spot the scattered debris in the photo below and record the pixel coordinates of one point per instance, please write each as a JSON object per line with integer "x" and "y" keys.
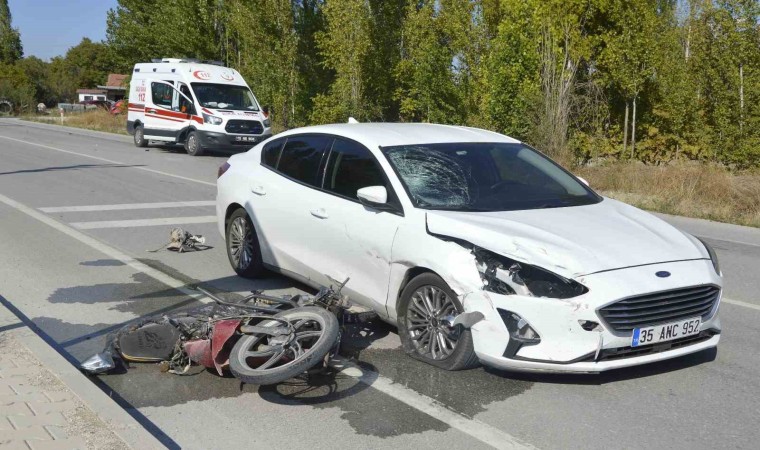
{"x": 182, "y": 241}
{"x": 272, "y": 337}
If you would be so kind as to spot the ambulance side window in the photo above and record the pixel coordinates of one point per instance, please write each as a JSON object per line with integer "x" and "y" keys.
{"x": 162, "y": 95}
{"x": 184, "y": 105}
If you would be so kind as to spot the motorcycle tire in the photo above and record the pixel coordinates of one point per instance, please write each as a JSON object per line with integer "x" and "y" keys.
{"x": 251, "y": 352}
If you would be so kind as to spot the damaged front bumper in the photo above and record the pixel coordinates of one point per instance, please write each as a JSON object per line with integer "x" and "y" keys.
{"x": 571, "y": 336}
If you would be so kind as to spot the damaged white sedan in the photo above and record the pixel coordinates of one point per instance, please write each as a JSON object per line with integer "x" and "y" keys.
{"x": 479, "y": 248}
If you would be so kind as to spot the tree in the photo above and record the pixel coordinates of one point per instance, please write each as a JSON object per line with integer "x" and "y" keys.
{"x": 345, "y": 45}
{"x": 627, "y": 57}
{"x": 140, "y": 30}
{"x": 512, "y": 82}
{"x": 426, "y": 89}
{"x": 267, "y": 54}
{"x": 38, "y": 73}
{"x": 16, "y": 87}
{"x": 10, "y": 39}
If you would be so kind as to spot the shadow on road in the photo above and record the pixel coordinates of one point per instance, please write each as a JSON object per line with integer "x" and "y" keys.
{"x": 74, "y": 167}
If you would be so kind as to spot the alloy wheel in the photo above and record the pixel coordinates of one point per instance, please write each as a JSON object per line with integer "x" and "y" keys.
{"x": 241, "y": 242}
{"x": 427, "y": 321}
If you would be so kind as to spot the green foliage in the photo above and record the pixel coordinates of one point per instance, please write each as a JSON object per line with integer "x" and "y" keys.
{"x": 16, "y": 87}
{"x": 140, "y": 30}
{"x": 512, "y": 72}
{"x": 556, "y": 73}
{"x": 345, "y": 45}
{"x": 10, "y": 40}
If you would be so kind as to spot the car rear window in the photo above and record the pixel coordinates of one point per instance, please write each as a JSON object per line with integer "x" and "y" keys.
{"x": 301, "y": 158}
{"x": 271, "y": 153}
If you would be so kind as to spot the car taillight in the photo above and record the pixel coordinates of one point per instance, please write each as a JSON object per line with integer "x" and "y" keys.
{"x": 223, "y": 168}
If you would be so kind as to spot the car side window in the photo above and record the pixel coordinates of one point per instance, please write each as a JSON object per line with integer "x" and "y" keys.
{"x": 271, "y": 153}
{"x": 301, "y": 158}
{"x": 162, "y": 95}
{"x": 351, "y": 167}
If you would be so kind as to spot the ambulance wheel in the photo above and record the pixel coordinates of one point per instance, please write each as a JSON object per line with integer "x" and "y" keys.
{"x": 140, "y": 140}
{"x": 193, "y": 145}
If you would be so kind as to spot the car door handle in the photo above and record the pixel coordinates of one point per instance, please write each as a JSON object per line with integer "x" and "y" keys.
{"x": 319, "y": 213}
{"x": 258, "y": 190}
{"x": 152, "y": 111}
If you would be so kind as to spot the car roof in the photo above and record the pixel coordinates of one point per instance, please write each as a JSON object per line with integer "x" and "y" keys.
{"x": 392, "y": 134}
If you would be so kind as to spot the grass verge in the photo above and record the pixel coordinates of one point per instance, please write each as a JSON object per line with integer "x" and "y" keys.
{"x": 704, "y": 191}
{"x": 97, "y": 120}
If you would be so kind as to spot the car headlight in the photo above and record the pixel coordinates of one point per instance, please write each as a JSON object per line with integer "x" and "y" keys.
{"x": 713, "y": 256}
{"x": 504, "y": 276}
{"x": 213, "y": 120}
{"x": 267, "y": 123}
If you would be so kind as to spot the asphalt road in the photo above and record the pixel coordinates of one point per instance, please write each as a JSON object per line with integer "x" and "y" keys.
{"x": 78, "y": 273}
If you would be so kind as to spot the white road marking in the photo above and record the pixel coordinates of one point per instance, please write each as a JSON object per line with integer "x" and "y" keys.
{"x": 740, "y": 303}
{"x": 105, "y": 249}
{"x": 109, "y": 161}
{"x": 125, "y": 206}
{"x": 479, "y": 430}
{"x": 142, "y": 222}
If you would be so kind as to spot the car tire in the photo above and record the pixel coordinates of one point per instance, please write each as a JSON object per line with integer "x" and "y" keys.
{"x": 241, "y": 240}
{"x": 139, "y": 137}
{"x": 462, "y": 356}
{"x": 193, "y": 145}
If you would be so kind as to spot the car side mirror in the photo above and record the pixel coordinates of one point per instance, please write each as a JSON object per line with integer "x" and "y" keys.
{"x": 583, "y": 180}
{"x": 375, "y": 196}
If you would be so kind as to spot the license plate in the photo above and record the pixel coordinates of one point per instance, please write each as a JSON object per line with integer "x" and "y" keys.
{"x": 245, "y": 139}
{"x": 665, "y": 332}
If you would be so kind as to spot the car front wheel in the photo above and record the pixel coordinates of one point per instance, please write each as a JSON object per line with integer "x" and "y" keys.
{"x": 193, "y": 145}
{"x": 426, "y": 309}
{"x": 243, "y": 246}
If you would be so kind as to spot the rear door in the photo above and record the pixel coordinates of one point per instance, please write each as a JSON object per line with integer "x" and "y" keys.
{"x": 283, "y": 196}
{"x": 164, "y": 120}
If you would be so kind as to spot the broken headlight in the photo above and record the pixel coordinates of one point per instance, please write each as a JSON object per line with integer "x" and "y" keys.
{"x": 504, "y": 276}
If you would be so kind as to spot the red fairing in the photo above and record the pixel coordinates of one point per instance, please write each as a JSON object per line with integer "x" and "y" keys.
{"x": 199, "y": 352}
{"x": 223, "y": 331}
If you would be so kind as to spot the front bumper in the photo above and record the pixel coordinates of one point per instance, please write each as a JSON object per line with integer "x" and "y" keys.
{"x": 565, "y": 345}
{"x": 213, "y": 140}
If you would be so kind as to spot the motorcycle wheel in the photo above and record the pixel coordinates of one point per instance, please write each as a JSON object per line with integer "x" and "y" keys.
{"x": 264, "y": 359}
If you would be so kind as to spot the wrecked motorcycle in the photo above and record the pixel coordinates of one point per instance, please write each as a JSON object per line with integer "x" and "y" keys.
{"x": 261, "y": 339}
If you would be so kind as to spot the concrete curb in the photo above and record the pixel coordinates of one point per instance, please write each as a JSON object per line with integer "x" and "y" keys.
{"x": 115, "y": 417}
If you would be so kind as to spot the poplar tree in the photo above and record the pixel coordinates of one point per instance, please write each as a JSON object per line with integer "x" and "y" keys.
{"x": 345, "y": 45}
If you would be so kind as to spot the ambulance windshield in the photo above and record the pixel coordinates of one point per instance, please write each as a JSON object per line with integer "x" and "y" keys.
{"x": 225, "y": 96}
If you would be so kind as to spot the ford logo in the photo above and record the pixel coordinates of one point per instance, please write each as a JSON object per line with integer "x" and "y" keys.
{"x": 663, "y": 274}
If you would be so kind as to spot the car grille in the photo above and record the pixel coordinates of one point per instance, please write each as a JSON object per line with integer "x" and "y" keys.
{"x": 660, "y": 307}
{"x": 244, "y": 127}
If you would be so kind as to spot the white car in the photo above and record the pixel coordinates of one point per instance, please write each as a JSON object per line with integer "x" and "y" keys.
{"x": 477, "y": 247}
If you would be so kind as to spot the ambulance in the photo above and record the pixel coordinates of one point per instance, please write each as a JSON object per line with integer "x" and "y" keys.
{"x": 201, "y": 105}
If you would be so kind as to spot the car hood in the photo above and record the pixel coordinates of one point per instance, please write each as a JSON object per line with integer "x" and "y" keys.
{"x": 572, "y": 241}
